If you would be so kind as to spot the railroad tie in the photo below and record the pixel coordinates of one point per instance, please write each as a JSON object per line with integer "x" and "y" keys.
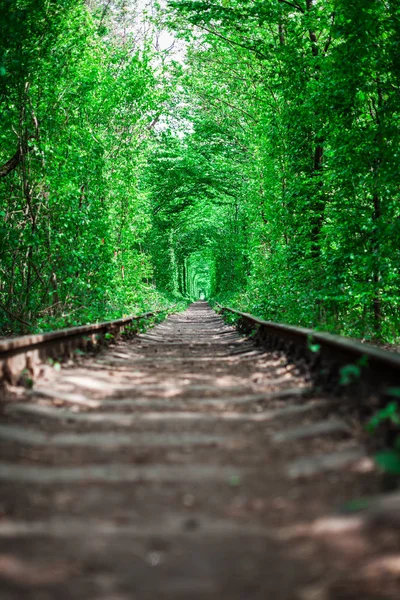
{"x": 188, "y": 463}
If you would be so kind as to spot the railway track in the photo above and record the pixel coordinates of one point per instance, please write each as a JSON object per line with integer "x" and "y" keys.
{"x": 195, "y": 462}
{"x": 27, "y": 353}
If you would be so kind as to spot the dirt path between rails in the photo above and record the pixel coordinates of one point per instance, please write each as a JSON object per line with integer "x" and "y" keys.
{"x": 188, "y": 464}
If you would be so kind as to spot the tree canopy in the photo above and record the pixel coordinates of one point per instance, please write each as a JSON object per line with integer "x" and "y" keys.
{"x": 253, "y": 161}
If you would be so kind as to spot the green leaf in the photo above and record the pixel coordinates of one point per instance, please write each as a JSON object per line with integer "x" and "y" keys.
{"x": 357, "y": 505}
{"x": 389, "y": 461}
{"x": 312, "y": 346}
{"x": 234, "y": 480}
{"x": 389, "y": 413}
{"x": 349, "y": 374}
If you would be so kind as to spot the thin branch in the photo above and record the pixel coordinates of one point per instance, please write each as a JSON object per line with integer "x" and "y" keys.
{"x": 295, "y": 6}
{"x": 244, "y": 112}
{"x": 104, "y": 14}
{"x": 154, "y": 122}
{"x": 222, "y": 37}
{"x": 329, "y": 40}
{"x": 15, "y": 316}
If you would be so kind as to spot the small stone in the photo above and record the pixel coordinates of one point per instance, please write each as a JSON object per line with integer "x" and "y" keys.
{"x": 313, "y": 592}
{"x": 257, "y": 504}
{"x": 191, "y": 524}
{"x": 154, "y": 558}
{"x": 188, "y": 500}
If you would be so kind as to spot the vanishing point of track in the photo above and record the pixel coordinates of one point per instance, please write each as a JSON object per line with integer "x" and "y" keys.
{"x": 189, "y": 463}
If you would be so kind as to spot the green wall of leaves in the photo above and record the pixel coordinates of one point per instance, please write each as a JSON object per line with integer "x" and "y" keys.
{"x": 255, "y": 163}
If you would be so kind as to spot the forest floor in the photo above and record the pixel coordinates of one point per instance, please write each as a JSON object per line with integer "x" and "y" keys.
{"x": 189, "y": 464}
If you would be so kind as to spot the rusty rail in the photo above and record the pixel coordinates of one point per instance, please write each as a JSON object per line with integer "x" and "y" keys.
{"x": 29, "y": 351}
{"x": 334, "y": 361}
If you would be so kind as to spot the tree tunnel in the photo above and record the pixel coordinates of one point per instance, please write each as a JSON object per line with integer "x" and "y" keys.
{"x": 200, "y": 273}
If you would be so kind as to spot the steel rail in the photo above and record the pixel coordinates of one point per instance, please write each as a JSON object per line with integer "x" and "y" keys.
{"x": 326, "y": 355}
{"x": 28, "y": 351}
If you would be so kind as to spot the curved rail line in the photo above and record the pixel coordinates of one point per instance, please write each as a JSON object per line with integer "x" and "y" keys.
{"x": 325, "y": 354}
{"x": 27, "y": 351}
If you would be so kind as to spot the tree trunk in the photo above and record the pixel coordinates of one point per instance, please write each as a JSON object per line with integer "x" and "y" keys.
{"x": 14, "y": 161}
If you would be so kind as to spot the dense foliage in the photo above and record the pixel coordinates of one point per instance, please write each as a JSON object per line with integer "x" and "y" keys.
{"x": 78, "y": 102}
{"x": 257, "y": 165}
{"x": 303, "y": 98}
